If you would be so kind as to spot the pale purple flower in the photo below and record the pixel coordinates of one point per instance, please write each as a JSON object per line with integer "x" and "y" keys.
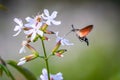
{"x": 44, "y": 76}
{"x": 34, "y": 25}
{"x": 50, "y": 18}
{"x": 34, "y": 30}
{"x": 18, "y": 27}
{"x": 31, "y": 21}
{"x": 63, "y": 40}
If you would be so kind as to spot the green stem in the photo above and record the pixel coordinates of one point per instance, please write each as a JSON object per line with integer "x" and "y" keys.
{"x": 46, "y": 59}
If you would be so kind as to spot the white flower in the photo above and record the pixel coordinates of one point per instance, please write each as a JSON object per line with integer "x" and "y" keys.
{"x": 50, "y": 18}
{"x": 31, "y": 21}
{"x": 44, "y": 76}
{"x": 34, "y": 25}
{"x": 34, "y": 30}
{"x": 63, "y": 40}
{"x": 18, "y": 27}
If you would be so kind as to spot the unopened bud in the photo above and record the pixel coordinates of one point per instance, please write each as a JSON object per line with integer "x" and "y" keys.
{"x": 27, "y": 58}
{"x": 44, "y": 27}
{"x": 60, "y": 52}
{"x": 56, "y": 47}
{"x": 49, "y": 32}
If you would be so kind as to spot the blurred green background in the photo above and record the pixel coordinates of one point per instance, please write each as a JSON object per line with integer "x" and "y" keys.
{"x": 99, "y": 61}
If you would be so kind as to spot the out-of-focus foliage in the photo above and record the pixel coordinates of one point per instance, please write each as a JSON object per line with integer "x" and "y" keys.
{"x": 27, "y": 74}
{"x": 2, "y": 7}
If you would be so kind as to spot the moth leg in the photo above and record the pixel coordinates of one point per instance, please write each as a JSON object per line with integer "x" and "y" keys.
{"x": 86, "y": 40}
{"x": 79, "y": 38}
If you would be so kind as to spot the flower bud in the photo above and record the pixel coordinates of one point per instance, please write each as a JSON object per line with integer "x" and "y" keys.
{"x": 36, "y": 38}
{"x": 27, "y": 58}
{"x": 26, "y": 44}
{"x": 32, "y": 49}
{"x": 45, "y": 38}
{"x": 56, "y": 47}
{"x": 60, "y": 52}
{"x": 44, "y": 27}
{"x": 49, "y": 32}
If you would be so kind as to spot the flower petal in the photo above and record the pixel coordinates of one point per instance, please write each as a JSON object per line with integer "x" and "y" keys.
{"x": 16, "y": 28}
{"x": 29, "y": 25}
{"x": 40, "y": 33}
{"x": 57, "y": 33}
{"x": 29, "y": 19}
{"x": 46, "y": 12}
{"x": 59, "y": 75}
{"x": 33, "y": 36}
{"x": 48, "y": 22}
{"x": 22, "y": 50}
{"x": 21, "y": 62}
{"x": 54, "y": 14}
{"x": 44, "y": 17}
{"x": 18, "y": 21}
{"x": 66, "y": 42}
{"x": 39, "y": 25}
{"x": 56, "y": 22}
{"x": 17, "y": 33}
{"x": 44, "y": 71}
{"x": 44, "y": 76}
{"x": 28, "y": 32}
{"x": 63, "y": 41}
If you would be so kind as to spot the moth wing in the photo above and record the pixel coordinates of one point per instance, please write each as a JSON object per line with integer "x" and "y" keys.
{"x": 85, "y": 31}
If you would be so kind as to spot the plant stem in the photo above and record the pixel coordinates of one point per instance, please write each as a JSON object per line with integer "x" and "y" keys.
{"x": 46, "y": 59}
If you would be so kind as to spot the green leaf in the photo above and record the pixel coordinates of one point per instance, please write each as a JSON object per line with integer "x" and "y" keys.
{"x": 1, "y": 71}
{"x": 25, "y": 72}
{"x": 3, "y": 68}
{"x": 6, "y": 70}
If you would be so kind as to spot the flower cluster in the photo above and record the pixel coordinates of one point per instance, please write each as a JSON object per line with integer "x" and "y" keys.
{"x": 36, "y": 28}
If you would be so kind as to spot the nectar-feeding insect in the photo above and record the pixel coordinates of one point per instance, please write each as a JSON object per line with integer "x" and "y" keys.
{"x": 82, "y": 33}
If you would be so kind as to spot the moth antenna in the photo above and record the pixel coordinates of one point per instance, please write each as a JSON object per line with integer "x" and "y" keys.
{"x": 72, "y": 26}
